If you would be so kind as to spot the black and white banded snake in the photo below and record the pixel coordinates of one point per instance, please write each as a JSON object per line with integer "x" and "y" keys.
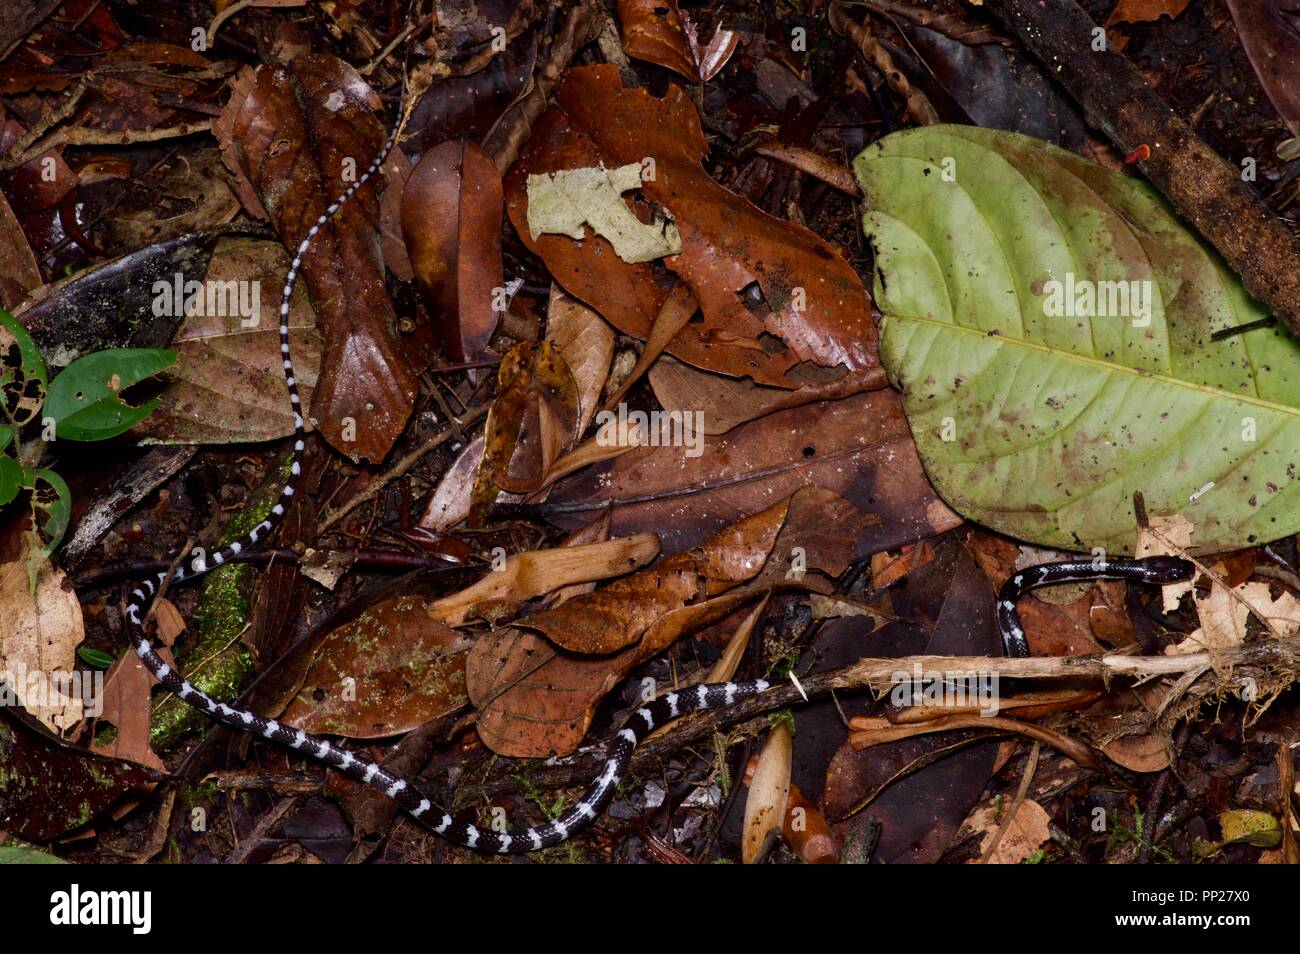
{"x": 644, "y": 720}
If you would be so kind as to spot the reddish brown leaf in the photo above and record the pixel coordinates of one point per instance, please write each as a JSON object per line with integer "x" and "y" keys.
{"x": 536, "y": 698}
{"x": 451, "y": 219}
{"x": 654, "y": 31}
{"x": 733, "y": 401}
{"x": 773, "y": 294}
{"x": 51, "y": 789}
{"x": 531, "y": 423}
{"x": 301, "y": 133}
{"x": 386, "y": 672}
{"x": 859, "y": 447}
{"x": 1270, "y": 32}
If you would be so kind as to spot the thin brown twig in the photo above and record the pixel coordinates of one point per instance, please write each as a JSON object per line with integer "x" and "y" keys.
{"x": 1026, "y": 779}
{"x": 401, "y": 467}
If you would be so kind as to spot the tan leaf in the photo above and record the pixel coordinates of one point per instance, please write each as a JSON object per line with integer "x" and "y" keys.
{"x": 40, "y": 630}
{"x": 769, "y": 791}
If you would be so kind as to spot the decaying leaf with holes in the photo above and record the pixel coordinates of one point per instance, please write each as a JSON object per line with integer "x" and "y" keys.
{"x": 532, "y": 421}
{"x": 23, "y": 379}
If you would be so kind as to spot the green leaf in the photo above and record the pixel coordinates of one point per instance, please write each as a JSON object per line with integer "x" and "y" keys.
{"x": 20, "y": 855}
{"x": 1042, "y": 424}
{"x": 11, "y": 479}
{"x": 85, "y": 399}
{"x": 51, "y": 509}
{"x": 22, "y": 376}
{"x": 94, "y": 657}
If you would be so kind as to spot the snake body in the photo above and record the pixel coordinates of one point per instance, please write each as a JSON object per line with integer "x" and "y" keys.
{"x": 646, "y": 718}
{"x": 1157, "y": 570}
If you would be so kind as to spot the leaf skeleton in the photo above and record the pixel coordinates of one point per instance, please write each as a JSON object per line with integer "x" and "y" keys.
{"x": 646, "y": 718}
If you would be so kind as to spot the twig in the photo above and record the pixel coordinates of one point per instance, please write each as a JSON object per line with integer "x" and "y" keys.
{"x": 918, "y": 104}
{"x": 368, "y": 559}
{"x": 401, "y": 467}
{"x": 1281, "y": 656}
{"x": 1026, "y": 779}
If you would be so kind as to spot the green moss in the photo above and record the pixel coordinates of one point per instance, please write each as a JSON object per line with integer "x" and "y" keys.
{"x": 223, "y": 613}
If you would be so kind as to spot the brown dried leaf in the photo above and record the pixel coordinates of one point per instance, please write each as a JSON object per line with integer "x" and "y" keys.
{"x": 532, "y": 422}
{"x": 451, "y": 219}
{"x": 587, "y": 344}
{"x": 531, "y": 574}
{"x": 536, "y": 699}
{"x": 300, "y": 135}
{"x": 809, "y": 305}
{"x": 655, "y": 31}
{"x": 618, "y": 615}
{"x": 228, "y": 381}
{"x": 389, "y": 671}
{"x": 40, "y": 629}
{"x": 859, "y": 447}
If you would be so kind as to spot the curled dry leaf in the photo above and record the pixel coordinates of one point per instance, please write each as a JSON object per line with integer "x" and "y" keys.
{"x": 531, "y": 423}
{"x": 228, "y": 381}
{"x": 451, "y": 219}
{"x": 587, "y": 344}
{"x": 300, "y": 134}
{"x": 527, "y": 575}
{"x": 619, "y": 614}
{"x": 40, "y": 629}
{"x": 769, "y": 790}
{"x": 536, "y": 698}
{"x": 655, "y": 31}
{"x": 711, "y": 57}
{"x": 390, "y": 670}
{"x": 810, "y": 306}
{"x": 450, "y": 503}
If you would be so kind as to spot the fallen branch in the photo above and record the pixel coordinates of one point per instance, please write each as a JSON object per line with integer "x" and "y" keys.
{"x": 1204, "y": 189}
{"x": 1224, "y": 669}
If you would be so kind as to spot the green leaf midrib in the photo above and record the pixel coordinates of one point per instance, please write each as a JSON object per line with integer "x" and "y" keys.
{"x": 1108, "y": 366}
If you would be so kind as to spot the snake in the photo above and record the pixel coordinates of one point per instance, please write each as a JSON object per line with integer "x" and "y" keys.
{"x": 618, "y": 752}
{"x": 1156, "y": 570}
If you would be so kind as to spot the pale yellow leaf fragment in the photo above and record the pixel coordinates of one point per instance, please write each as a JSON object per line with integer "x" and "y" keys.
{"x": 565, "y": 201}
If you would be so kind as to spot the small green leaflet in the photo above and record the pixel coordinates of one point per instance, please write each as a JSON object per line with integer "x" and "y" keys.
{"x": 95, "y": 658}
{"x": 85, "y": 401}
{"x": 1048, "y": 323}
